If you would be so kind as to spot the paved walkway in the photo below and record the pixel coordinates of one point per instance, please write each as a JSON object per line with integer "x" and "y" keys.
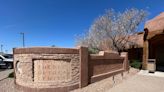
{"x": 156, "y": 74}
{"x": 142, "y": 82}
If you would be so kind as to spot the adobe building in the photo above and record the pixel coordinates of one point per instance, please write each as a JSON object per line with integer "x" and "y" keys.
{"x": 135, "y": 51}
{"x": 149, "y": 44}
{"x": 153, "y": 42}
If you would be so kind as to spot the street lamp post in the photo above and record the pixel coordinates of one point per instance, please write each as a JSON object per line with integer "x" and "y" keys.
{"x": 23, "y": 39}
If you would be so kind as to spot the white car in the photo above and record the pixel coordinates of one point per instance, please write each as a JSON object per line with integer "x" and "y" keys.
{"x": 6, "y": 60}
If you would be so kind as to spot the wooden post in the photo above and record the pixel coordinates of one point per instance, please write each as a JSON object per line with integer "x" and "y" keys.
{"x": 145, "y": 54}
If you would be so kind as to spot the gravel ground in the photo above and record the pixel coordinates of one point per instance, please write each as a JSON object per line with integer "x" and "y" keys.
{"x": 7, "y": 84}
{"x": 4, "y": 73}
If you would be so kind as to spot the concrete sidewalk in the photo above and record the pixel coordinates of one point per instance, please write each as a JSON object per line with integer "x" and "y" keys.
{"x": 142, "y": 82}
{"x": 156, "y": 74}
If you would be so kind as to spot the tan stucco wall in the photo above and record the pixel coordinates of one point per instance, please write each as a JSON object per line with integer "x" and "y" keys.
{"x": 26, "y": 65}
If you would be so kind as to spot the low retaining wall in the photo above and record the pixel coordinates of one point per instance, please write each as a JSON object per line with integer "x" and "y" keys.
{"x": 106, "y": 64}
{"x": 62, "y": 69}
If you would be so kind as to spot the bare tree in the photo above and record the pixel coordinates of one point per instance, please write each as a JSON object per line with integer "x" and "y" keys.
{"x": 113, "y": 30}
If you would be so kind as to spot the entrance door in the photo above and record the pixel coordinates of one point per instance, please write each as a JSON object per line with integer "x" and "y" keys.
{"x": 160, "y": 58}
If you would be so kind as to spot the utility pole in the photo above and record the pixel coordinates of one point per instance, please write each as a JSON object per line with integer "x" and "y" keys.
{"x": 23, "y": 39}
{"x": 1, "y": 48}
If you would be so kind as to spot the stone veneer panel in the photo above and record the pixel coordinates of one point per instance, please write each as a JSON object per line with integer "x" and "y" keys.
{"x": 52, "y": 71}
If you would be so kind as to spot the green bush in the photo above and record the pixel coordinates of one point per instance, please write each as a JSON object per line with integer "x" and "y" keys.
{"x": 11, "y": 75}
{"x": 93, "y": 50}
{"x": 136, "y": 64}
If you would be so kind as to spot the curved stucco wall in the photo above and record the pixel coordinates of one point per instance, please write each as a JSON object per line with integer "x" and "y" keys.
{"x": 42, "y": 68}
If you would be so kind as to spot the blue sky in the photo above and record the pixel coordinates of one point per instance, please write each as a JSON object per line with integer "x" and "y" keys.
{"x": 56, "y": 22}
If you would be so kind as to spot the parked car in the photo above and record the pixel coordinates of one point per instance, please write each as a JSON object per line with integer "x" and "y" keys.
{"x": 6, "y": 60}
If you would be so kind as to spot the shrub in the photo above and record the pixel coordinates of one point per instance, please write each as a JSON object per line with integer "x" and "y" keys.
{"x": 93, "y": 50}
{"x": 136, "y": 64}
{"x": 11, "y": 75}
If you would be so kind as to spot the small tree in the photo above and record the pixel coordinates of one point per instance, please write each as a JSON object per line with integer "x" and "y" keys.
{"x": 113, "y": 30}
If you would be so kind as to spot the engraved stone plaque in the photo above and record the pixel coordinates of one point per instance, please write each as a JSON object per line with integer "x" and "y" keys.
{"x": 52, "y": 70}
